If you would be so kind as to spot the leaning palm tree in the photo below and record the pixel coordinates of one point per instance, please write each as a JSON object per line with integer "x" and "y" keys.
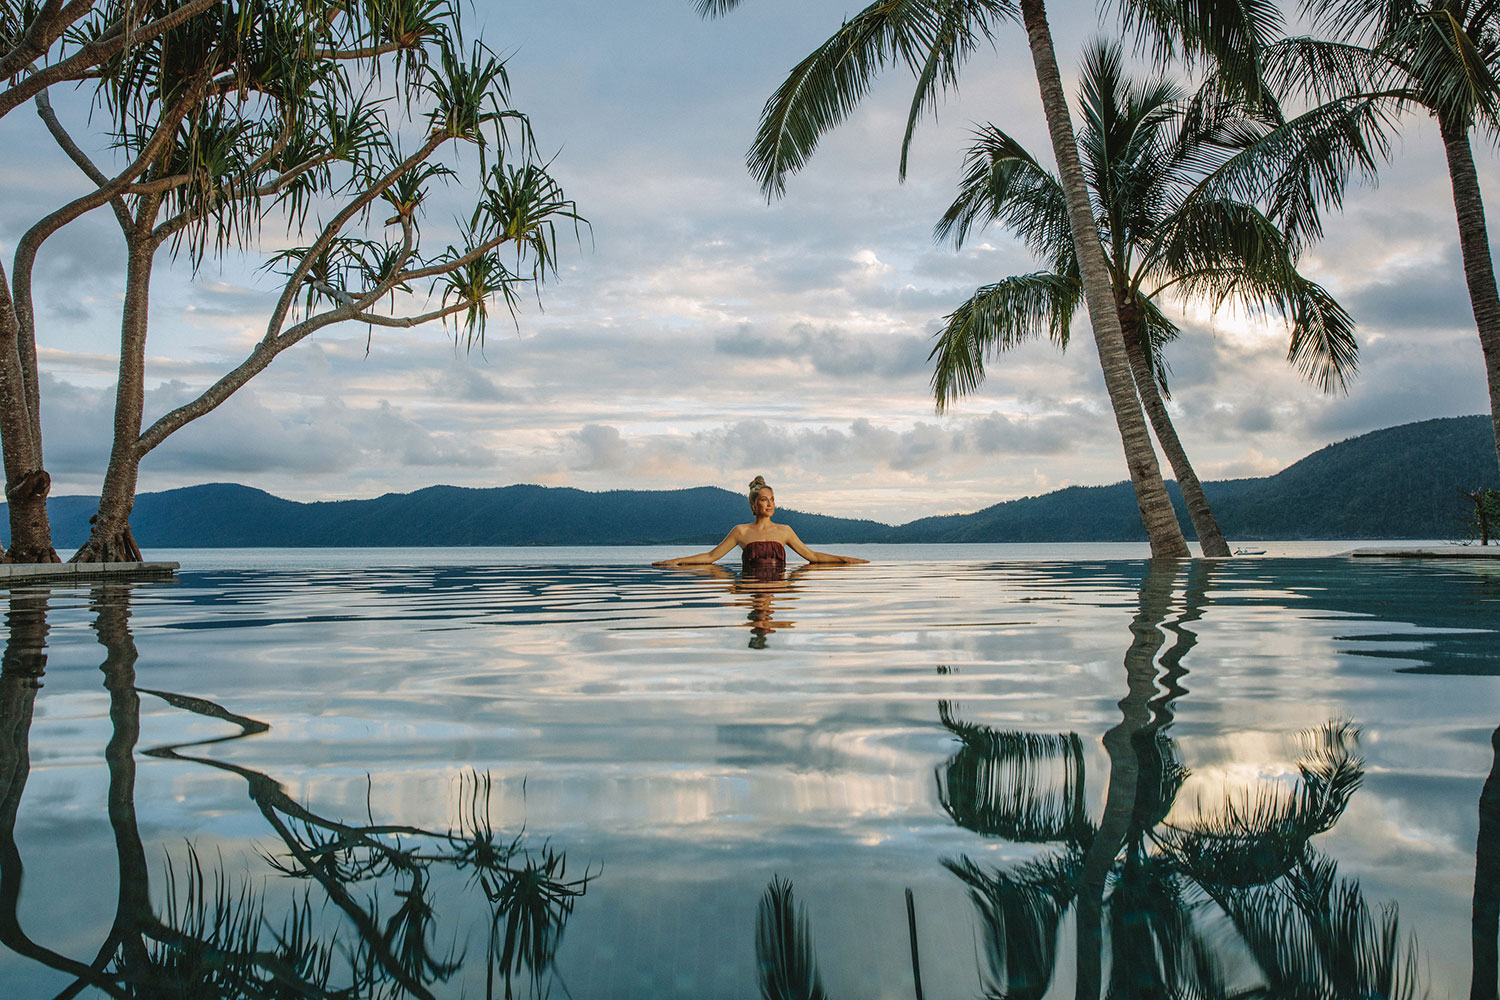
{"x": 1150, "y": 156}
{"x": 1441, "y": 57}
{"x": 933, "y": 38}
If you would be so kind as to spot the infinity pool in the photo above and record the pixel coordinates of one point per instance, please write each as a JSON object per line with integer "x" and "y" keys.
{"x": 915, "y": 778}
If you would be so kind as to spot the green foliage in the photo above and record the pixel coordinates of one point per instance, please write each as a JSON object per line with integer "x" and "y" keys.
{"x": 256, "y": 111}
{"x": 1151, "y": 157}
{"x": 1484, "y": 520}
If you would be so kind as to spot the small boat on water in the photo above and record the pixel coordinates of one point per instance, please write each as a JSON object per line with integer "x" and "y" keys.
{"x": 1249, "y": 552}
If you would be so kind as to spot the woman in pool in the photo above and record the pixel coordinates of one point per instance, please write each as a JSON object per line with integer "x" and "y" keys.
{"x": 762, "y": 542}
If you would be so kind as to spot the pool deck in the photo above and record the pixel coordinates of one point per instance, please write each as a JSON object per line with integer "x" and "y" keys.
{"x": 12, "y": 573}
{"x": 1430, "y": 552}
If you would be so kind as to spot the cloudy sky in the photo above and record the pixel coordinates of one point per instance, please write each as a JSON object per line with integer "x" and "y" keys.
{"x": 697, "y": 335}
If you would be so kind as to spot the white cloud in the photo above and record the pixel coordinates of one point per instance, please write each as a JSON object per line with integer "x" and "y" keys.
{"x": 698, "y": 334}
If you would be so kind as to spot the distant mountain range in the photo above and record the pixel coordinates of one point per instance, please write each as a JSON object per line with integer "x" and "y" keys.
{"x": 1401, "y": 482}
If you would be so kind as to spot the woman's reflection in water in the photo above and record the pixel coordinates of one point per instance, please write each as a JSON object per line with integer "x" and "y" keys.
{"x": 764, "y": 592}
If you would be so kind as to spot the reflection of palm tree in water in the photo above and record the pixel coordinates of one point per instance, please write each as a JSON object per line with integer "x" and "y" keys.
{"x": 1249, "y": 861}
{"x": 215, "y": 942}
{"x": 1486, "y": 934}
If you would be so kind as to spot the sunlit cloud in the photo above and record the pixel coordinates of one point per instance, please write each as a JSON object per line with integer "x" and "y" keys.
{"x": 698, "y": 334}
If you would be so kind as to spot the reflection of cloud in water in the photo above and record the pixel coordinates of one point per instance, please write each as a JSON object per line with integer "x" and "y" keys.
{"x": 620, "y": 707}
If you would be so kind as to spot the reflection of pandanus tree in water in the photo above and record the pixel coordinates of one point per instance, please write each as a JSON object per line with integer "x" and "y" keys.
{"x": 215, "y": 940}
{"x": 1246, "y": 864}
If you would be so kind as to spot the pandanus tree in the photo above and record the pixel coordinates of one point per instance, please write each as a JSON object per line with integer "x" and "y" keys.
{"x": 331, "y": 120}
{"x": 933, "y": 39}
{"x": 1386, "y": 58}
{"x": 43, "y": 43}
{"x": 1150, "y": 155}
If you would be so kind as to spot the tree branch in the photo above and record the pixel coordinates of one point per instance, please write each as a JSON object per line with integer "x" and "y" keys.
{"x": 295, "y": 279}
{"x": 91, "y": 54}
{"x": 78, "y": 156}
{"x": 36, "y": 41}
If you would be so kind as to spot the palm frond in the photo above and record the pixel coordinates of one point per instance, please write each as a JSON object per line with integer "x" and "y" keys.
{"x": 1367, "y": 20}
{"x": 1316, "y": 936}
{"x": 930, "y": 37}
{"x": 1020, "y": 912}
{"x": 1449, "y": 62}
{"x": 1303, "y": 168}
{"x": 1321, "y": 70}
{"x": 1025, "y": 787}
{"x": 714, "y": 8}
{"x": 1323, "y": 345}
{"x": 994, "y": 319}
{"x": 1156, "y": 332}
{"x": 1004, "y": 183}
{"x": 784, "y": 951}
{"x": 1232, "y": 35}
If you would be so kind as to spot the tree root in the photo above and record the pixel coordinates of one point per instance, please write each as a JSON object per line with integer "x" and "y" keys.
{"x": 29, "y": 555}
{"x": 109, "y": 546}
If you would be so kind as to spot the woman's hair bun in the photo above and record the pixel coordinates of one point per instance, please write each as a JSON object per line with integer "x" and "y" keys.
{"x": 756, "y": 485}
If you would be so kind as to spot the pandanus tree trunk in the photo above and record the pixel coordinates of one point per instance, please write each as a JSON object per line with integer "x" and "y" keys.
{"x": 26, "y": 481}
{"x": 1157, "y": 515}
{"x": 110, "y": 539}
{"x": 1474, "y": 244}
{"x": 1210, "y": 538}
{"x": 133, "y": 907}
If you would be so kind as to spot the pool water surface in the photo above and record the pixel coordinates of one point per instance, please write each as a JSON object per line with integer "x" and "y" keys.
{"x": 915, "y": 778}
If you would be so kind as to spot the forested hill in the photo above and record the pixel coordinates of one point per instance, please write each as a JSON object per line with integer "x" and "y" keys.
{"x": 224, "y": 515}
{"x": 1401, "y": 482}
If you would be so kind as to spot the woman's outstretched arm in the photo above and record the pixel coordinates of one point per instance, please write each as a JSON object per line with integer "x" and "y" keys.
{"x": 718, "y": 552}
{"x": 816, "y": 557}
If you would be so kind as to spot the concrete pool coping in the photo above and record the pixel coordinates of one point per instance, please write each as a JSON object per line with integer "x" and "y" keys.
{"x": 63, "y": 572}
{"x": 1429, "y": 552}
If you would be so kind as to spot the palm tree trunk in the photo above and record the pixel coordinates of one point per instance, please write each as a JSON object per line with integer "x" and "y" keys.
{"x": 1157, "y": 515}
{"x": 1474, "y": 243}
{"x": 110, "y": 539}
{"x": 1210, "y": 538}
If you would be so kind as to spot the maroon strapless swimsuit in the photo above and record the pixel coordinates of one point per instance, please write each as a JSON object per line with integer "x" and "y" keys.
{"x": 763, "y": 557}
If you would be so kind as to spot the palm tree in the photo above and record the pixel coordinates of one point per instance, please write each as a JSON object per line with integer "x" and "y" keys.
{"x": 1441, "y": 57}
{"x": 932, "y": 38}
{"x": 1149, "y": 155}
